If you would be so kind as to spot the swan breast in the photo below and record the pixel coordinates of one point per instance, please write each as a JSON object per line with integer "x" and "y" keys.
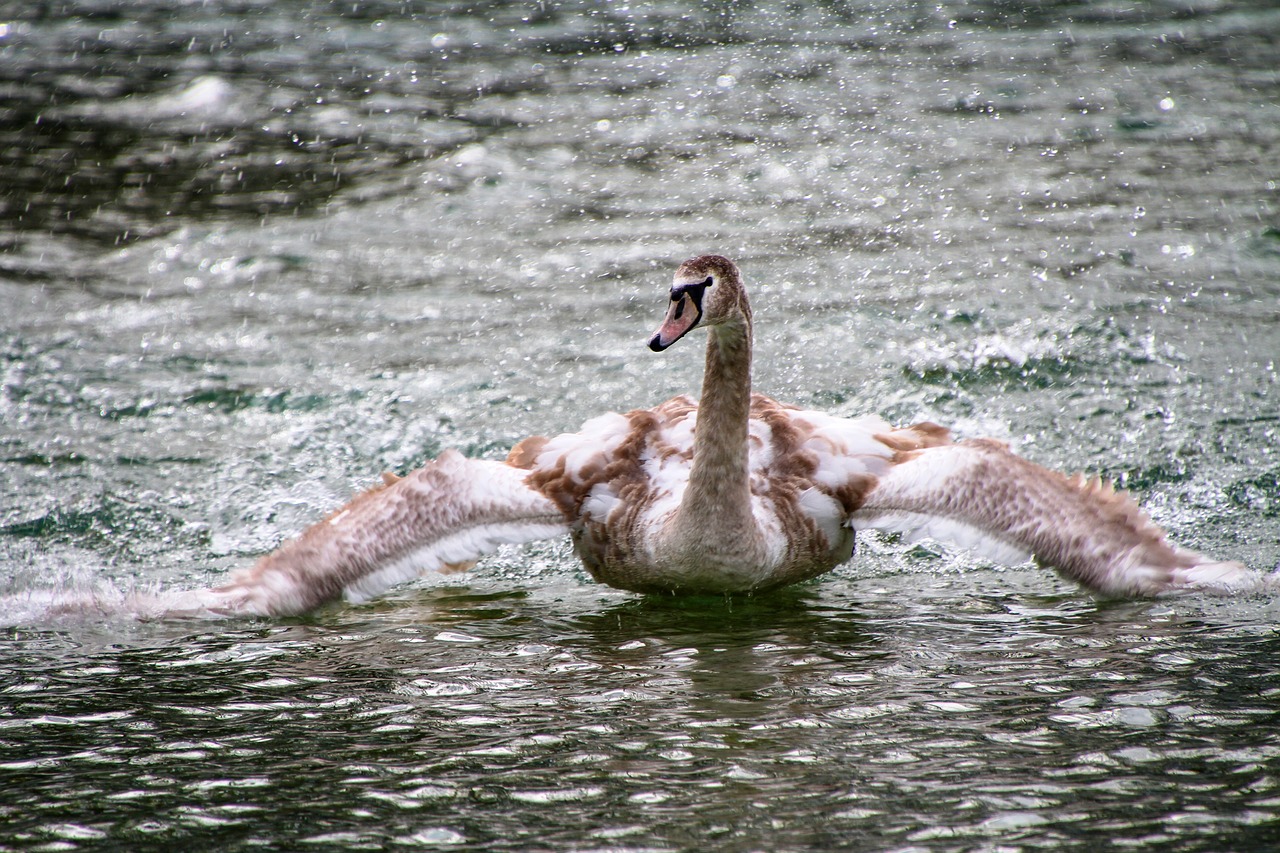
{"x": 620, "y": 479}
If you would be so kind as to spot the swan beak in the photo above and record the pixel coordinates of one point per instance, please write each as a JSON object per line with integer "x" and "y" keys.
{"x": 683, "y": 315}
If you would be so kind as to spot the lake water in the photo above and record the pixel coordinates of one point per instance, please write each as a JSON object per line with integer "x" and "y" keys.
{"x": 254, "y": 253}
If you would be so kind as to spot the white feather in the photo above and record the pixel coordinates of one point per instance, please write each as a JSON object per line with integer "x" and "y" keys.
{"x": 459, "y": 547}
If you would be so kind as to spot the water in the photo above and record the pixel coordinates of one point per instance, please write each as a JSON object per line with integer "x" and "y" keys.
{"x": 256, "y": 253}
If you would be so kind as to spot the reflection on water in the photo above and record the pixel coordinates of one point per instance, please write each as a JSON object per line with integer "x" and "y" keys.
{"x": 252, "y": 254}
{"x": 832, "y": 716}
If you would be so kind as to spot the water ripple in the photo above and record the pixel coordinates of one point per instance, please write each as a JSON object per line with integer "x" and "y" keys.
{"x": 251, "y": 254}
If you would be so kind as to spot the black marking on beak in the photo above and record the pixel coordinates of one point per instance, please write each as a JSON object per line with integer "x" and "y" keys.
{"x": 678, "y": 299}
{"x": 682, "y": 295}
{"x": 694, "y": 292}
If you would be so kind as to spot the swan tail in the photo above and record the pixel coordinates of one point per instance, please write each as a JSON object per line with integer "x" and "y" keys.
{"x": 979, "y": 495}
{"x": 443, "y": 516}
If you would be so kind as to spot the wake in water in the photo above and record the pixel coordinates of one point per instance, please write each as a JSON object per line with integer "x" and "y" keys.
{"x": 270, "y": 597}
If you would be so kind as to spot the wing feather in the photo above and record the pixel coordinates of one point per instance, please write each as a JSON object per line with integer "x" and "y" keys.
{"x": 451, "y": 511}
{"x": 980, "y": 495}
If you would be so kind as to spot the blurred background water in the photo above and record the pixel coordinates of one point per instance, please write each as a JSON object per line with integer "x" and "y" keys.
{"x": 254, "y": 253}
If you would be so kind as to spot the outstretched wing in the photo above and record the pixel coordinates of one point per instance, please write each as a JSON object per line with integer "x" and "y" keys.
{"x": 445, "y": 515}
{"x": 979, "y": 495}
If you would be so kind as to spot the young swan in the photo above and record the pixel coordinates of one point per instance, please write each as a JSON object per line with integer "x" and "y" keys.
{"x": 734, "y": 493}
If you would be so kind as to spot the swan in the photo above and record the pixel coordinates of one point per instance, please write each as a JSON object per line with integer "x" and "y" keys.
{"x": 734, "y": 493}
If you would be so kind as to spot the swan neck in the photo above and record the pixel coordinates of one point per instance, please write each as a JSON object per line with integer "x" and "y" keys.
{"x": 719, "y": 485}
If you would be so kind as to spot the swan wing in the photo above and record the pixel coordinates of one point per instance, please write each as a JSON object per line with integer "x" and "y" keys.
{"x": 979, "y": 495}
{"x": 443, "y": 516}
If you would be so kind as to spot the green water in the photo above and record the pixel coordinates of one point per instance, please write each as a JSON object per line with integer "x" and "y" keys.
{"x": 253, "y": 255}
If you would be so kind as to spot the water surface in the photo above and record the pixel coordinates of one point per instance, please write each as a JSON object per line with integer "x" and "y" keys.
{"x": 256, "y": 253}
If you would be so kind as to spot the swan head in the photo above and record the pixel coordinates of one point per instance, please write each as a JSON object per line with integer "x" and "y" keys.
{"x": 707, "y": 291}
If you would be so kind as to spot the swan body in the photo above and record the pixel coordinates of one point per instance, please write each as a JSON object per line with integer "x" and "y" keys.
{"x": 734, "y": 493}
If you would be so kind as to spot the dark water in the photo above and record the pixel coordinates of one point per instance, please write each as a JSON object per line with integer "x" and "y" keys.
{"x": 255, "y": 253}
